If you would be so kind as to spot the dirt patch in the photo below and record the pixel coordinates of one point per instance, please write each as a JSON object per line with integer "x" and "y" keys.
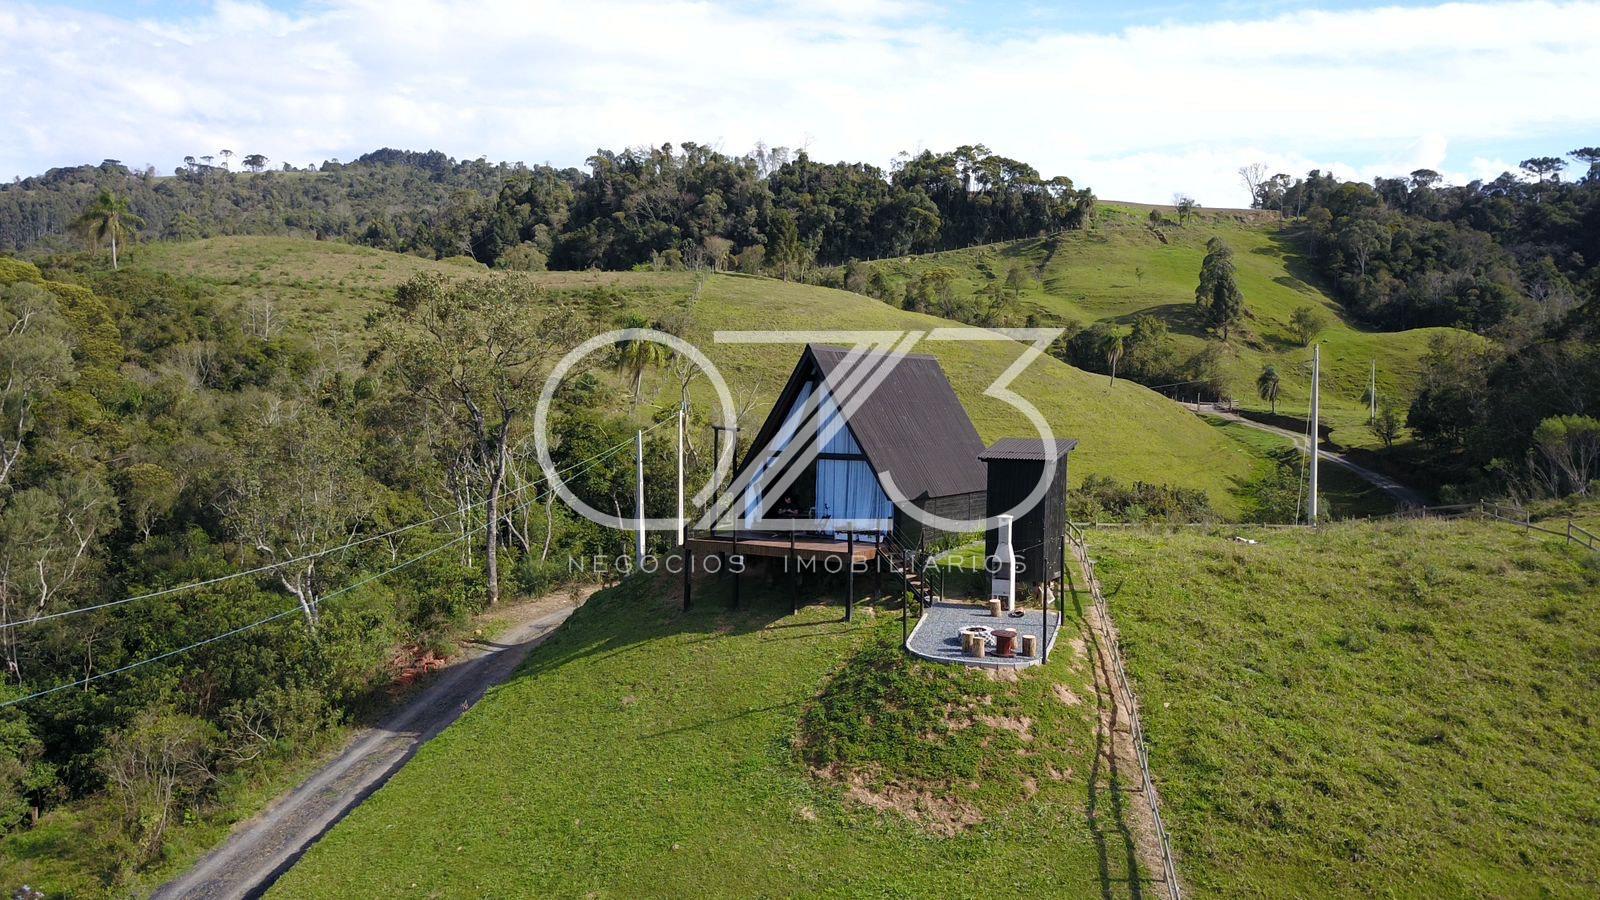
{"x": 1066, "y": 696}
{"x": 1022, "y": 725}
{"x": 935, "y": 811}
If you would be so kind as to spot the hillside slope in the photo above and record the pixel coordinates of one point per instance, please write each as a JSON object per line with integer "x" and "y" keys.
{"x": 1398, "y": 709}
{"x": 1125, "y": 266}
{"x": 647, "y": 752}
{"x": 1125, "y": 431}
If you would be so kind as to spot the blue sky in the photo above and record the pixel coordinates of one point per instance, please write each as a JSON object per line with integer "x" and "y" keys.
{"x": 1138, "y": 100}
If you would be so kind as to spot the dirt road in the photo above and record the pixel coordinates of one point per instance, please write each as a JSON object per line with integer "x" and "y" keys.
{"x": 1403, "y": 495}
{"x": 262, "y": 849}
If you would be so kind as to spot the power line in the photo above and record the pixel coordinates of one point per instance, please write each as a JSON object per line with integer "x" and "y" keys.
{"x": 291, "y": 610}
{"x": 317, "y": 554}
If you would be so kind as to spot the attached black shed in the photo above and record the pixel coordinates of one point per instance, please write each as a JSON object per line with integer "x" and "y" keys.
{"x": 1015, "y": 466}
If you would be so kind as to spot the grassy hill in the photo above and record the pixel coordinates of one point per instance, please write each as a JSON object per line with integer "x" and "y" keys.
{"x": 647, "y": 752}
{"x": 1125, "y": 430}
{"x": 1401, "y": 709}
{"x": 1126, "y": 266}
{"x": 1405, "y": 709}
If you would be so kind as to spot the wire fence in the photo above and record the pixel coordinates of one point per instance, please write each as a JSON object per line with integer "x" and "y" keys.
{"x": 1080, "y": 550}
{"x": 1517, "y": 516}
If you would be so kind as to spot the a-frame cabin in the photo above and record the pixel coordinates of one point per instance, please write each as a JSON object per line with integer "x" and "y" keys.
{"x": 852, "y": 434}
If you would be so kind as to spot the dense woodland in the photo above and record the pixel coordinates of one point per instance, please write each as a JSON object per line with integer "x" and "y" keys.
{"x": 154, "y": 438}
{"x": 769, "y": 210}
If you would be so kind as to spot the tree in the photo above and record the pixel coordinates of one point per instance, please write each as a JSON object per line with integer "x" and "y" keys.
{"x": 255, "y": 162}
{"x": 1306, "y": 323}
{"x": 296, "y": 490}
{"x": 1590, "y": 155}
{"x": 633, "y": 356}
{"x": 1186, "y": 206}
{"x": 160, "y": 759}
{"x": 1422, "y": 179}
{"x": 1568, "y": 453}
{"x": 1543, "y": 168}
{"x": 476, "y": 353}
{"x": 787, "y": 253}
{"x": 35, "y": 360}
{"x": 149, "y": 492}
{"x": 1254, "y": 177}
{"x": 1111, "y": 345}
{"x": 226, "y": 155}
{"x": 1268, "y": 386}
{"x": 109, "y": 217}
{"x": 1387, "y": 425}
{"x": 1217, "y": 294}
{"x": 717, "y": 249}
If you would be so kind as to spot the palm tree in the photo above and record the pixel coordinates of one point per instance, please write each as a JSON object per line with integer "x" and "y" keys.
{"x": 108, "y": 217}
{"x": 1268, "y": 385}
{"x": 1112, "y": 346}
{"x": 634, "y": 356}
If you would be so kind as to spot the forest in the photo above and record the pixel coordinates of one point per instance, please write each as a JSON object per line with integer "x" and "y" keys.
{"x": 765, "y": 210}
{"x": 1517, "y": 260}
{"x": 158, "y": 443}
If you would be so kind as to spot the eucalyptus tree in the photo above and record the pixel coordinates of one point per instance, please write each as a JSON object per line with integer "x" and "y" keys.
{"x": 476, "y": 352}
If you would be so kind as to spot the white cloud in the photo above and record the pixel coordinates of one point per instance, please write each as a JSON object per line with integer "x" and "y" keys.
{"x": 1137, "y": 114}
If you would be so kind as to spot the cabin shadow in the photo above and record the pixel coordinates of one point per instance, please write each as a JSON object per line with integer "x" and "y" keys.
{"x": 646, "y": 608}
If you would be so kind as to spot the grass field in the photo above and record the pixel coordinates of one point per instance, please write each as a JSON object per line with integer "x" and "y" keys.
{"x": 1124, "y": 267}
{"x": 1124, "y": 430}
{"x": 1398, "y": 709}
{"x": 647, "y": 752}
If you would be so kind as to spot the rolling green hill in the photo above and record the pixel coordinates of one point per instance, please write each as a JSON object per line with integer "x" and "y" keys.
{"x": 1126, "y": 266}
{"x": 1125, "y": 431}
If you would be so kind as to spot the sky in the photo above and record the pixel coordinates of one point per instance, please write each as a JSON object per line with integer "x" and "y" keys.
{"x": 1138, "y": 100}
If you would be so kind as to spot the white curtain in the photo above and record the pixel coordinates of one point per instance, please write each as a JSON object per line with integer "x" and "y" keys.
{"x": 754, "y": 503}
{"x": 847, "y": 489}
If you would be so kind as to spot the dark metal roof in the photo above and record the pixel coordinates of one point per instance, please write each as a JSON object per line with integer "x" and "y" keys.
{"x": 910, "y": 425}
{"x": 1026, "y": 449}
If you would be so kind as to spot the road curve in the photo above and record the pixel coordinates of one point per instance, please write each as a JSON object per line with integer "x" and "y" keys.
{"x": 1403, "y": 495}
{"x": 261, "y": 850}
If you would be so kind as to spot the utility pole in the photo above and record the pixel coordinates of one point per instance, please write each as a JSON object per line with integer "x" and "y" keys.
{"x": 680, "y": 474}
{"x": 1372, "y": 395}
{"x": 638, "y": 448}
{"x": 1316, "y": 402}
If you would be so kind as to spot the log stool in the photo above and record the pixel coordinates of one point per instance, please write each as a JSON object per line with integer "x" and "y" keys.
{"x": 995, "y": 606}
{"x": 1030, "y": 645}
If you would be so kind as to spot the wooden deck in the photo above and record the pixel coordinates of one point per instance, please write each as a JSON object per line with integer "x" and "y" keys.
{"x": 766, "y": 543}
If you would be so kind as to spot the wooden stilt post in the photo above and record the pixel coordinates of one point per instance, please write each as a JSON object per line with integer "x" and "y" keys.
{"x": 688, "y": 566}
{"x": 850, "y": 575}
{"x": 877, "y": 572}
{"x": 905, "y": 623}
{"x": 1044, "y": 618}
{"x": 731, "y": 558}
